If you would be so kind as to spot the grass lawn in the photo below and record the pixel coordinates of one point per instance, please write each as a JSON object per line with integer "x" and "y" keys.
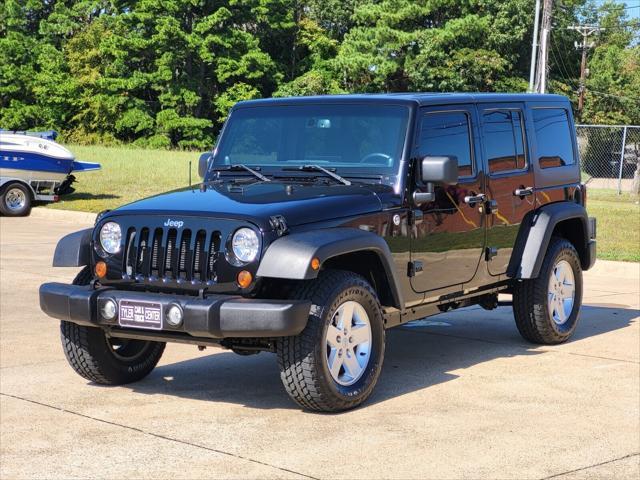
{"x": 618, "y": 227}
{"x": 129, "y": 174}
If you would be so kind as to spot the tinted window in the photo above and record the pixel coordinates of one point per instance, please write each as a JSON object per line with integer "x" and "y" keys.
{"x": 553, "y": 136}
{"x": 350, "y": 138}
{"x": 504, "y": 140}
{"x": 447, "y": 134}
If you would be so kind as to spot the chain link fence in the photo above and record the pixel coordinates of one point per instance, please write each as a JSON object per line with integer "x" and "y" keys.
{"x": 610, "y": 156}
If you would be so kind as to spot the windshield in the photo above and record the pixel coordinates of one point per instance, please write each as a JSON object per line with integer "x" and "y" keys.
{"x": 352, "y": 139}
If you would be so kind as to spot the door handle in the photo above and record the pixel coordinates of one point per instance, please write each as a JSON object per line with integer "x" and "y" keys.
{"x": 474, "y": 199}
{"x": 523, "y": 192}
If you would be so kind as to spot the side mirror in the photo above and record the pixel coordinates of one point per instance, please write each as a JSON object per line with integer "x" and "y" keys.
{"x": 442, "y": 170}
{"x": 203, "y": 164}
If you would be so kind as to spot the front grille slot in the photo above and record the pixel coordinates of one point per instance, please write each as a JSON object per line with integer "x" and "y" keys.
{"x": 130, "y": 253}
{"x": 156, "y": 254}
{"x": 214, "y": 252}
{"x": 169, "y": 259}
{"x": 184, "y": 256}
{"x": 142, "y": 255}
{"x": 199, "y": 260}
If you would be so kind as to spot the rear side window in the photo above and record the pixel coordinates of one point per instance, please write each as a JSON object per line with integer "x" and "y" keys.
{"x": 503, "y": 137}
{"x": 553, "y": 136}
{"x": 448, "y": 134}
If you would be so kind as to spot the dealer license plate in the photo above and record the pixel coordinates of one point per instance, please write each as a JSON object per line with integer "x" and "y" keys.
{"x": 139, "y": 314}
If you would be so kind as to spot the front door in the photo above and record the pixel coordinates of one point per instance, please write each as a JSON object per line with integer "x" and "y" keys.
{"x": 510, "y": 180}
{"x": 448, "y": 240}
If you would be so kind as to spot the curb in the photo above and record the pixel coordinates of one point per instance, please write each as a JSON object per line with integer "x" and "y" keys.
{"x": 64, "y": 215}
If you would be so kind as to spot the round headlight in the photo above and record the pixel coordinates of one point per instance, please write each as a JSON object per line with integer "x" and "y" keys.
{"x": 110, "y": 237}
{"x": 245, "y": 245}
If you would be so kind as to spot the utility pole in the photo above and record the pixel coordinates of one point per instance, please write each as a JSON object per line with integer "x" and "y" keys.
{"x": 534, "y": 47}
{"x": 586, "y": 31}
{"x": 541, "y": 74}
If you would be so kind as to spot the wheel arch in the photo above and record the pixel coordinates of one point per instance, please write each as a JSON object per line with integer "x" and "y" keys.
{"x": 564, "y": 219}
{"x": 367, "y": 264}
{"x": 351, "y": 249}
{"x": 5, "y": 182}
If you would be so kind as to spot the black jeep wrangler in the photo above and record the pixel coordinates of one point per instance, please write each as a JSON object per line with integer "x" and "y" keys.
{"x": 321, "y": 222}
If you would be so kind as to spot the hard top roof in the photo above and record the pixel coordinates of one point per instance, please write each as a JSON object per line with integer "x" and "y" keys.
{"x": 420, "y": 99}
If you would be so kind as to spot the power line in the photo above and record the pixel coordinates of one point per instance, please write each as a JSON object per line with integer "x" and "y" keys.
{"x": 586, "y": 31}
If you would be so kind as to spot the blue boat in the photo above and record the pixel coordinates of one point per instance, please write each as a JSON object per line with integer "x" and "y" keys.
{"x": 34, "y": 167}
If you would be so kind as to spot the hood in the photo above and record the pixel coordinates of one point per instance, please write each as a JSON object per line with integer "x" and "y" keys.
{"x": 299, "y": 203}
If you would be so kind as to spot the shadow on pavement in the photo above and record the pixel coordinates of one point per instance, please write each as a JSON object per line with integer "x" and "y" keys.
{"x": 417, "y": 357}
{"x": 88, "y": 196}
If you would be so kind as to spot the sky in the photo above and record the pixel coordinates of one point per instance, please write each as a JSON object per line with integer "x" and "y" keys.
{"x": 633, "y": 7}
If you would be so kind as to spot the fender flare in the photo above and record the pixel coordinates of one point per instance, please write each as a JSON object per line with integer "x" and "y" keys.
{"x": 535, "y": 234}
{"x": 74, "y": 250}
{"x": 8, "y": 180}
{"x": 289, "y": 257}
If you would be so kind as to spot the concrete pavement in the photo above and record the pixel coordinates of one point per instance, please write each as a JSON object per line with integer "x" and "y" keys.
{"x": 461, "y": 396}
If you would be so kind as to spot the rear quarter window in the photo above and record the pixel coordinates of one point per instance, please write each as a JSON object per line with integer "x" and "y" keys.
{"x": 553, "y": 137}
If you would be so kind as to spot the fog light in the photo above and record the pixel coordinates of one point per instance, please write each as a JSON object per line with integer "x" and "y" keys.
{"x": 244, "y": 279}
{"x": 108, "y": 310}
{"x": 174, "y": 315}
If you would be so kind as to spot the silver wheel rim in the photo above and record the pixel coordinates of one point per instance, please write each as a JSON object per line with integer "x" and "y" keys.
{"x": 15, "y": 199}
{"x": 562, "y": 290}
{"x": 348, "y": 343}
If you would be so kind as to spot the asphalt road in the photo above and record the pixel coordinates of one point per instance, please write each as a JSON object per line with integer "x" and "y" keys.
{"x": 461, "y": 396}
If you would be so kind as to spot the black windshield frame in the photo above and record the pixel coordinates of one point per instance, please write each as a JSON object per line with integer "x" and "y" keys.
{"x": 383, "y": 127}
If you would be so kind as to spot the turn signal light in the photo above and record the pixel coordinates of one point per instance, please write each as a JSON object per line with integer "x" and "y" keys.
{"x": 244, "y": 279}
{"x": 315, "y": 263}
{"x": 101, "y": 269}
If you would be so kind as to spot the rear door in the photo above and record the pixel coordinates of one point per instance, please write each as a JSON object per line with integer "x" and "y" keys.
{"x": 510, "y": 194}
{"x": 447, "y": 243}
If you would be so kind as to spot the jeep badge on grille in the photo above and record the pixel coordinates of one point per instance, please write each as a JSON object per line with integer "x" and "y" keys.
{"x": 173, "y": 223}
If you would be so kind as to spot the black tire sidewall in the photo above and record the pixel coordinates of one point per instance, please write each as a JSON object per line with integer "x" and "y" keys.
{"x": 122, "y": 370}
{"x": 563, "y": 250}
{"x": 110, "y": 369}
{"x": 362, "y": 388}
{"x": 3, "y": 205}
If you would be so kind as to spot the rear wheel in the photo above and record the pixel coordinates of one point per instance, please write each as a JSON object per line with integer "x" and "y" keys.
{"x": 546, "y": 308}
{"x": 105, "y": 360}
{"x": 15, "y": 200}
{"x": 334, "y": 364}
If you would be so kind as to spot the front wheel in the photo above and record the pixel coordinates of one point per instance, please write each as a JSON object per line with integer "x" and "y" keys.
{"x": 334, "y": 364}
{"x": 105, "y": 360}
{"x": 546, "y": 308}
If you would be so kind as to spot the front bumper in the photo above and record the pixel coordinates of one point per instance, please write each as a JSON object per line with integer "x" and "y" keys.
{"x": 213, "y": 317}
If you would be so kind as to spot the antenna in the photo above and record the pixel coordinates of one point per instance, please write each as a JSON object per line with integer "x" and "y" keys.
{"x": 189, "y": 172}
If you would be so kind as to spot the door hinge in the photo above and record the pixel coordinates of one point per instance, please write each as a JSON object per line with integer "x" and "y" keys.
{"x": 490, "y": 252}
{"x": 415, "y": 268}
{"x": 415, "y": 217}
{"x": 491, "y": 207}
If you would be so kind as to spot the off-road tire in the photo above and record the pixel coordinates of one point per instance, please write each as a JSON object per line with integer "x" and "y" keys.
{"x": 530, "y": 298}
{"x": 90, "y": 354}
{"x": 302, "y": 359}
{"x": 9, "y": 212}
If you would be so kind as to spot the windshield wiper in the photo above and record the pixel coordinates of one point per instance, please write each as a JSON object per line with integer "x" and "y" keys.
{"x": 240, "y": 166}
{"x": 318, "y": 168}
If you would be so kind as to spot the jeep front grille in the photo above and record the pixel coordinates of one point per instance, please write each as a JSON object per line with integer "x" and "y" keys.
{"x": 168, "y": 254}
